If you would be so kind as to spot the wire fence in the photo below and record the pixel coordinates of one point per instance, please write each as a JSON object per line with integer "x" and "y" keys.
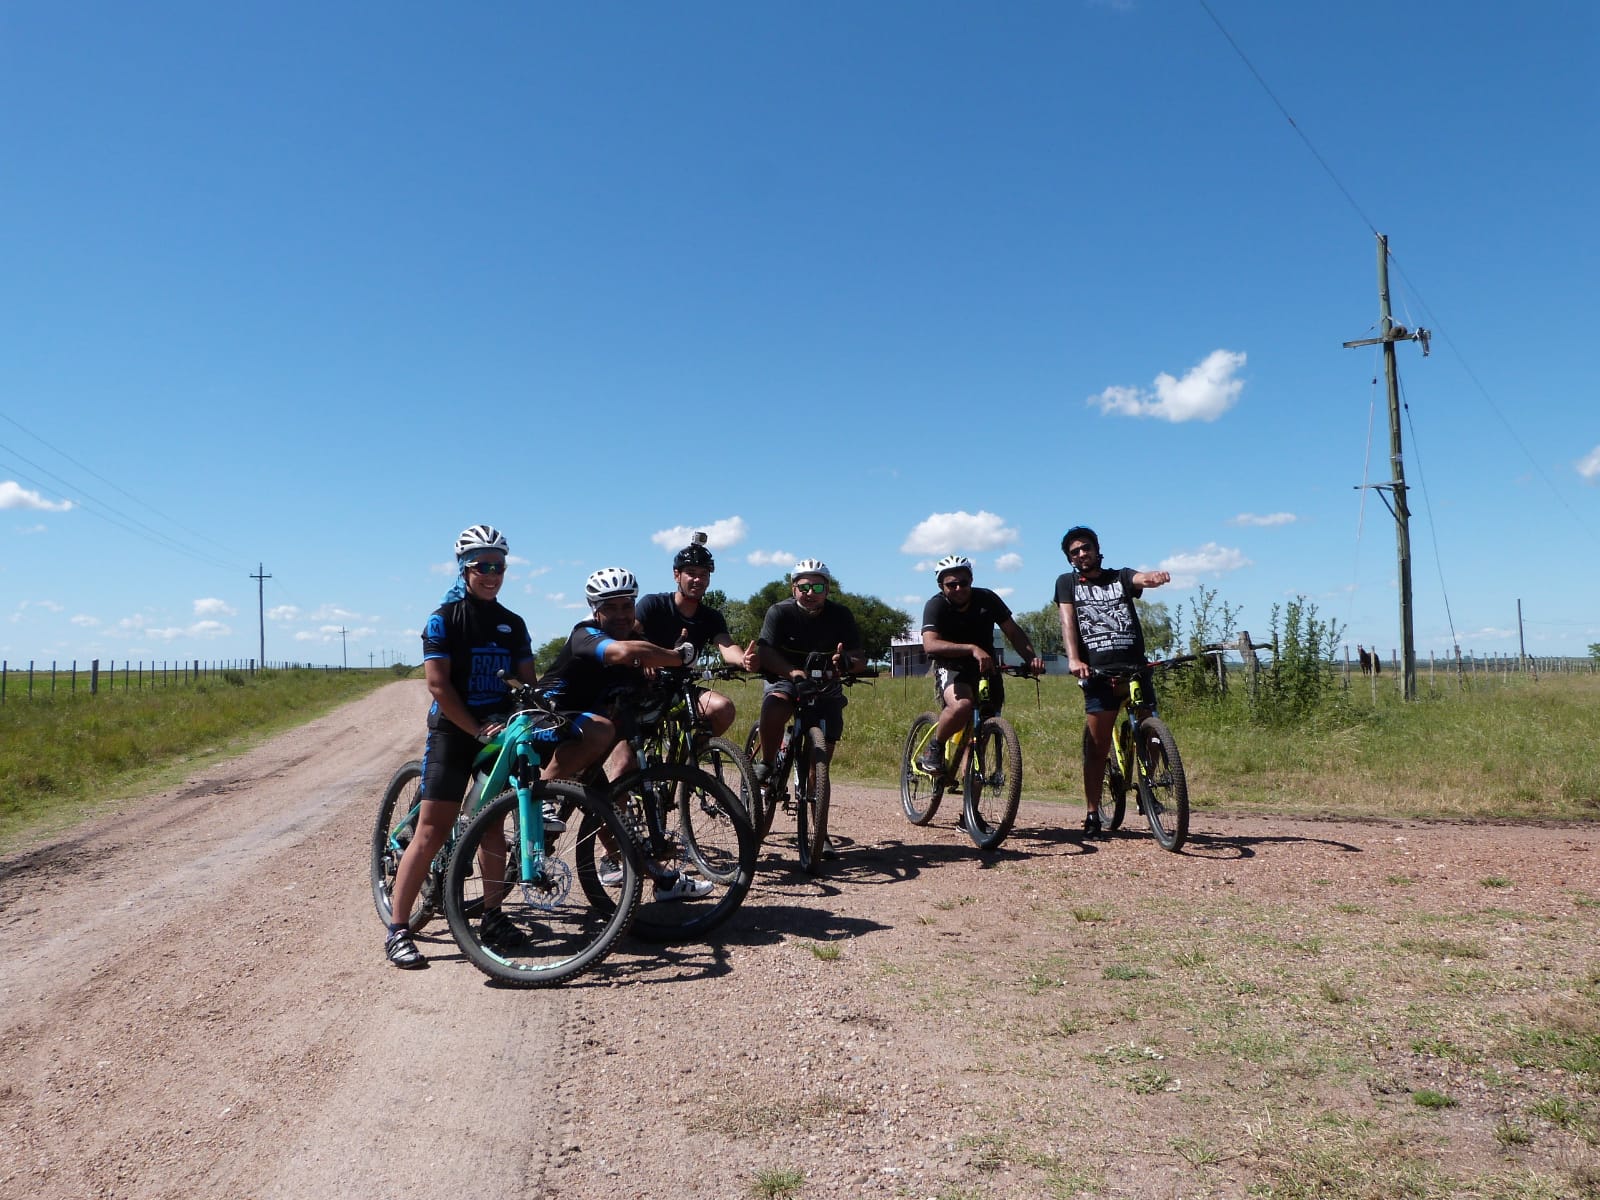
{"x": 38, "y": 682}
{"x": 1470, "y": 666}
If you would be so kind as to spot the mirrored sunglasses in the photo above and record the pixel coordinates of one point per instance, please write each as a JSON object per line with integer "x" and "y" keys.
{"x": 487, "y": 568}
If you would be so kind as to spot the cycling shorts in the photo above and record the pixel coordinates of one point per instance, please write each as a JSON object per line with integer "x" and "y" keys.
{"x": 829, "y": 710}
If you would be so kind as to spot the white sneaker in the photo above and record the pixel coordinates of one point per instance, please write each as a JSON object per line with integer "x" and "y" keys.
{"x": 609, "y": 872}
{"x": 684, "y": 888}
{"x": 552, "y": 818}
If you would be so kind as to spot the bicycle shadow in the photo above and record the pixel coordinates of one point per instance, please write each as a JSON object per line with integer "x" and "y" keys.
{"x": 1201, "y": 845}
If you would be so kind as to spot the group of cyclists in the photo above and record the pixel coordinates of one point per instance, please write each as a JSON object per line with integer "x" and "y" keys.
{"x": 472, "y": 643}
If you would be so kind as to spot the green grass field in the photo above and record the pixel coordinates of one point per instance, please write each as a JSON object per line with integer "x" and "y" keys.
{"x": 1506, "y": 749}
{"x": 1518, "y": 749}
{"x": 62, "y": 755}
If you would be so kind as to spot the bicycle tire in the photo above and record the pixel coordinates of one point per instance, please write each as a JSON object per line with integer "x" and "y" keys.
{"x": 764, "y": 802}
{"x": 391, "y": 834}
{"x": 715, "y": 839}
{"x": 559, "y": 931}
{"x": 1163, "y": 790}
{"x": 1114, "y": 788}
{"x": 812, "y": 793}
{"x": 729, "y": 765}
{"x": 919, "y": 793}
{"x": 993, "y": 783}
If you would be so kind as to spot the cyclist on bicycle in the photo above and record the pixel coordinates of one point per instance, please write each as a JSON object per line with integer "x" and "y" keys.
{"x": 958, "y": 625}
{"x": 671, "y": 618}
{"x": 806, "y": 623}
{"x": 605, "y": 658}
{"x": 1101, "y": 631}
{"x": 466, "y": 643}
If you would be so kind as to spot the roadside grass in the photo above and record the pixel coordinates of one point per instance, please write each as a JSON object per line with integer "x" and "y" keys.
{"x": 1387, "y": 1062}
{"x": 1518, "y": 749}
{"x": 60, "y": 757}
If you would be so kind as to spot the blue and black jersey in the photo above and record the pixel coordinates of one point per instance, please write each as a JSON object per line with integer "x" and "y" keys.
{"x": 481, "y": 639}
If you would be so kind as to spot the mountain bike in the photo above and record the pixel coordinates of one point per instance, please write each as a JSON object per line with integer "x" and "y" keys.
{"x": 499, "y": 857}
{"x": 984, "y": 759}
{"x": 1144, "y": 750}
{"x": 683, "y": 810}
{"x": 798, "y": 780}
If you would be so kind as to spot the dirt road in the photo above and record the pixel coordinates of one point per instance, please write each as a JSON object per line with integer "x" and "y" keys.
{"x": 195, "y": 1002}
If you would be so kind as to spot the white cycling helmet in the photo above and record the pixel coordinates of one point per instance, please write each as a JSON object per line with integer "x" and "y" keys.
{"x": 811, "y": 566}
{"x": 478, "y": 538}
{"x": 608, "y": 583}
{"x": 951, "y": 562}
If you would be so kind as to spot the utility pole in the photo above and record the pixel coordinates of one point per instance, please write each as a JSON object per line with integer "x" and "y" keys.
{"x": 261, "y": 612}
{"x": 1522, "y": 642}
{"x": 344, "y": 650}
{"x": 1400, "y": 510}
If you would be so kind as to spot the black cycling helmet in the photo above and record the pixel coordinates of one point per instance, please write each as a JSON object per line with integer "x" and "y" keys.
{"x": 1079, "y": 533}
{"x": 694, "y": 554}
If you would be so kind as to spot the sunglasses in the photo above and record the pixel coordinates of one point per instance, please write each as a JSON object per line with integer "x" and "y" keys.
{"x": 812, "y": 589}
{"x": 1080, "y": 551}
{"x": 957, "y": 583}
{"x": 487, "y": 568}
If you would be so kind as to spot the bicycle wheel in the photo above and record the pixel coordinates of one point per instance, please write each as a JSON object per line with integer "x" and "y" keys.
{"x": 730, "y": 766}
{"x": 763, "y": 801}
{"x": 391, "y": 834}
{"x": 811, "y": 801}
{"x": 551, "y": 930}
{"x": 708, "y": 837}
{"x": 919, "y": 793}
{"x": 1163, "y": 790}
{"x": 993, "y": 783}
{"x": 1114, "y": 789}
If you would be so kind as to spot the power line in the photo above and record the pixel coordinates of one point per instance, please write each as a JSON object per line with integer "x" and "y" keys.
{"x": 97, "y": 507}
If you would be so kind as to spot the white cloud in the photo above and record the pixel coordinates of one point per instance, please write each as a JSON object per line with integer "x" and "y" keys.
{"x": 1004, "y": 591}
{"x": 729, "y": 531}
{"x": 943, "y": 533}
{"x": 283, "y": 612}
{"x": 212, "y": 607}
{"x": 1204, "y": 394}
{"x": 770, "y": 558}
{"x": 332, "y": 612}
{"x": 1588, "y": 465}
{"x": 86, "y": 621}
{"x": 1210, "y": 559}
{"x": 1264, "y": 520}
{"x": 1008, "y": 562}
{"x": 14, "y": 495}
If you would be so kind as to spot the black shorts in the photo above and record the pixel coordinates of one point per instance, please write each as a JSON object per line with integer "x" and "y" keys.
{"x": 829, "y": 709}
{"x": 447, "y": 758}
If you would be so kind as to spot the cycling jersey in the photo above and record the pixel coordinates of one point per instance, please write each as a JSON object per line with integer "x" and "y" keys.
{"x": 972, "y": 626}
{"x": 664, "y": 625}
{"x": 480, "y": 638}
{"x": 794, "y": 633}
{"x": 579, "y": 680}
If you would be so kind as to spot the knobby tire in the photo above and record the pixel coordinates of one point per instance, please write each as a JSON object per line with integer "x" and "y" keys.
{"x": 391, "y": 834}
{"x": 1163, "y": 790}
{"x": 993, "y": 783}
{"x": 811, "y": 802}
{"x": 559, "y": 931}
{"x": 919, "y": 793}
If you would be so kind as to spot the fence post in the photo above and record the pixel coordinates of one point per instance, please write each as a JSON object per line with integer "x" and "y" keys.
{"x": 94, "y": 675}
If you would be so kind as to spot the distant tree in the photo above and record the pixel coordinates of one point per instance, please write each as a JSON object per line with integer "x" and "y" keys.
{"x": 1044, "y": 628}
{"x": 1594, "y": 651}
{"x": 1157, "y": 624}
{"x": 546, "y": 654}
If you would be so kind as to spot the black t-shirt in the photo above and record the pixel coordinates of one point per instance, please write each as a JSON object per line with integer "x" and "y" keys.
{"x": 972, "y": 627}
{"x": 794, "y": 633}
{"x": 662, "y": 622}
{"x": 1108, "y": 623}
{"x": 481, "y": 638}
{"x": 579, "y": 680}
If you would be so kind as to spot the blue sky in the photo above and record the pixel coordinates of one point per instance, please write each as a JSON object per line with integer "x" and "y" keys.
{"x": 315, "y": 286}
